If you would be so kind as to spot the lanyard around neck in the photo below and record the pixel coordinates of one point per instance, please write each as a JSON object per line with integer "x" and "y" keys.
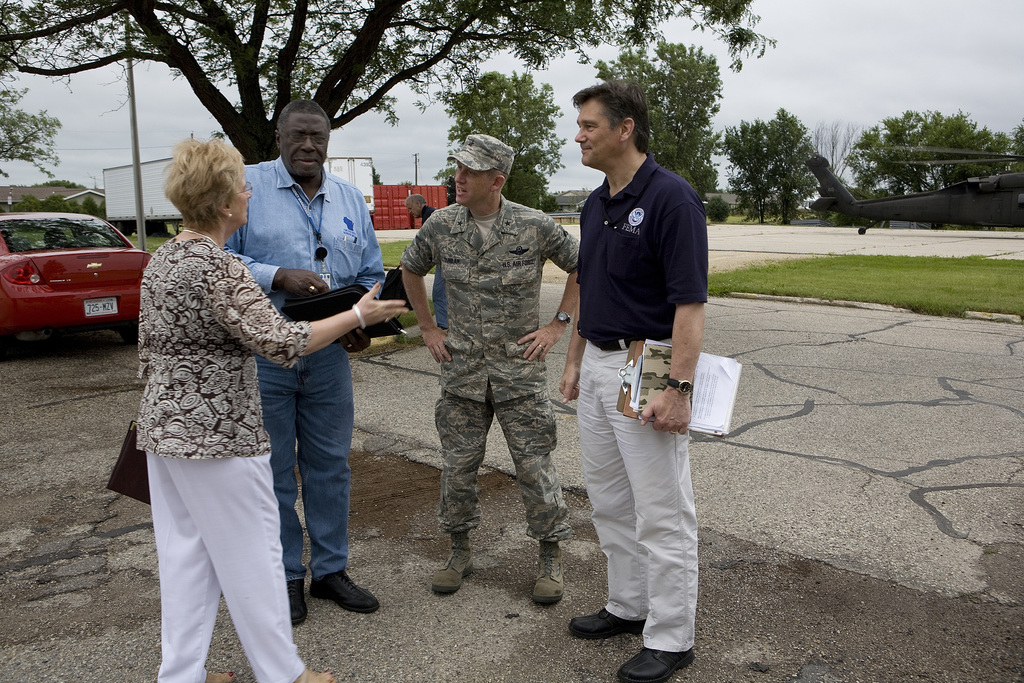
{"x": 307, "y": 208}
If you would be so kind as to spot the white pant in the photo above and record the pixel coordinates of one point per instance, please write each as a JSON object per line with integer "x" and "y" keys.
{"x": 638, "y": 481}
{"x": 217, "y": 528}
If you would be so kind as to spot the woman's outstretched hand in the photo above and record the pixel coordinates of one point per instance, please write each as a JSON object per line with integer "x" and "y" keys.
{"x": 376, "y": 310}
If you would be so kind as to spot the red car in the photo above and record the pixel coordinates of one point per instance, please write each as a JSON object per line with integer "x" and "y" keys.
{"x": 66, "y": 272}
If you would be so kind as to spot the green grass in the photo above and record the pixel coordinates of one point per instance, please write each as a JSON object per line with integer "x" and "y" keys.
{"x": 740, "y": 219}
{"x": 152, "y": 243}
{"x": 392, "y": 252}
{"x": 929, "y": 285}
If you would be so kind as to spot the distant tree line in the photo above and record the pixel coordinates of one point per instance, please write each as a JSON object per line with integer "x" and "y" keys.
{"x": 57, "y": 203}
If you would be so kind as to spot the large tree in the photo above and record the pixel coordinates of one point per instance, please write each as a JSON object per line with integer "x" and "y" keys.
{"x": 520, "y": 114}
{"x": 246, "y": 59}
{"x": 880, "y": 158}
{"x": 768, "y": 168}
{"x": 24, "y": 136}
{"x": 683, "y": 89}
{"x": 749, "y": 170}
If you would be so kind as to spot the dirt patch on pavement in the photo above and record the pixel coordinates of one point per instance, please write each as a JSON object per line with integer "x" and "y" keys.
{"x": 390, "y": 492}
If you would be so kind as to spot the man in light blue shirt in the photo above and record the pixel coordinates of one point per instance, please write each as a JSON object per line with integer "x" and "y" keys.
{"x": 310, "y": 232}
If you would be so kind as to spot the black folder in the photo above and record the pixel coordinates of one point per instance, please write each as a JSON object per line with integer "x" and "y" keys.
{"x": 321, "y": 306}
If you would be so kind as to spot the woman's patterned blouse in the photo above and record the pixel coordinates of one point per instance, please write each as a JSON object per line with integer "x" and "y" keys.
{"x": 202, "y": 317}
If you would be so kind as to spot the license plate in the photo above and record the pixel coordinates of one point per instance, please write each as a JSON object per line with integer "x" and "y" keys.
{"x": 105, "y": 306}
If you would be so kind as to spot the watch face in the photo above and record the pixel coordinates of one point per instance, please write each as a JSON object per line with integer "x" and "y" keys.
{"x": 563, "y": 317}
{"x": 684, "y": 386}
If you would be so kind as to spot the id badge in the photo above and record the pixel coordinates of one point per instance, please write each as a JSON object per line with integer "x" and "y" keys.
{"x": 326, "y": 277}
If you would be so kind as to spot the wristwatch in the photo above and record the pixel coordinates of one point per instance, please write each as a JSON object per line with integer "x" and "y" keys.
{"x": 563, "y": 317}
{"x": 682, "y": 385}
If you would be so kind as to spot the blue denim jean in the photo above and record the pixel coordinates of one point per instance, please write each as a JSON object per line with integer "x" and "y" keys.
{"x": 311, "y": 405}
{"x": 440, "y": 297}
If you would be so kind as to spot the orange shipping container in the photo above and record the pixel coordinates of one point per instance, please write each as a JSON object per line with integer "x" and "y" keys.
{"x": 389, "y": 204}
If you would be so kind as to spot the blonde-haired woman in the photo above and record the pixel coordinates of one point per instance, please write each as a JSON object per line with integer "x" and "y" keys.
{"x": 214, "y": 511}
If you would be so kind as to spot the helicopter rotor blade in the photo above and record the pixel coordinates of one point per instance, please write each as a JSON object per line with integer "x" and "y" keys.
{"x": 941, "y": 162}
{"x": 994, "y": 157}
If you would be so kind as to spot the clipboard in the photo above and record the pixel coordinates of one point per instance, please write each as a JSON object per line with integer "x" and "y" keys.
{"x": 630, "y": 376}
{"x": 715, "y": 385}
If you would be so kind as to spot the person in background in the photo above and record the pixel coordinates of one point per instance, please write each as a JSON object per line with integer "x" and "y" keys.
{"x": 215, "y": 518}
{"x": 643, "y": 274}
{"x": 309, "y": 232}
{"x": 417, "y": 206}
{"x": 492, "y": 356}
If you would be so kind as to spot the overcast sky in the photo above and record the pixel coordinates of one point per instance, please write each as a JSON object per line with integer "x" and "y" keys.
{"x": 854, "y": 61}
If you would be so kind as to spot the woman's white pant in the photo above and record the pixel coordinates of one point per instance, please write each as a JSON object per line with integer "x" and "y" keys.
{"x": 638, "y": 481}
{"x": 217, "y": 529}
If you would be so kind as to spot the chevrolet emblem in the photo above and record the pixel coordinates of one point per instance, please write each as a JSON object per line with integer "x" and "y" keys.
{"x": 95, "y": 265}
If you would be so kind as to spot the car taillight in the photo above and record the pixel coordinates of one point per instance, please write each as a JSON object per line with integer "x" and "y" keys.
{"x": 23, "y": 274}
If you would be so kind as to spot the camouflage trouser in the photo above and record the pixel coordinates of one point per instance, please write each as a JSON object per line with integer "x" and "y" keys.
{"x": 529, "y": 427}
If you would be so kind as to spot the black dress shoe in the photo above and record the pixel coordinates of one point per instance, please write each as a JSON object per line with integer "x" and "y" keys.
{"x": 604, "y": 624}
{"x": 342, "y": 590}
{"x": 654, "y": 666}
{"x": 297, "y": 601}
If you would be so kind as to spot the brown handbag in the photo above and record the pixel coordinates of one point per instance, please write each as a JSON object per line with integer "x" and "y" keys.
{"x": 131, "y": 475}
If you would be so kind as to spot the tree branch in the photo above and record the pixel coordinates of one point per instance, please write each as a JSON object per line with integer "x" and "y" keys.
{"x": 73, "y": 23}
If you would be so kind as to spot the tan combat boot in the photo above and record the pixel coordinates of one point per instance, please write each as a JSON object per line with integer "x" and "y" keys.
{"x": 550, "y": 584}
{"x": 459, "y": 564}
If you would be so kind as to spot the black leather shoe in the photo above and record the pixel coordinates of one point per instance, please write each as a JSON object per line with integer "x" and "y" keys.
{"x": 654, "y": 666}
{"x": 297, "y": 601}
{"x": 342, "y": 590}
{"x": 604, "y": 624}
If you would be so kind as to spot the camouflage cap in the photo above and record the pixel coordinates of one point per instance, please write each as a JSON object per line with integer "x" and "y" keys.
{"x": 483, "y": 152}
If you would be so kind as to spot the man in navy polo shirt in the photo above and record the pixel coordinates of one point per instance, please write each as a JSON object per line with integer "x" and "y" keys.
{"x": 642, "y": 272}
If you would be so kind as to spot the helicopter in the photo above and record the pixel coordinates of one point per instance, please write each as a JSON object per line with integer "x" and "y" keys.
{"x": 989, "y": 201}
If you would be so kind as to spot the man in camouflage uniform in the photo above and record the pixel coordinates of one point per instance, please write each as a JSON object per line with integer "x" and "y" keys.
{"x": 492, "y": 355}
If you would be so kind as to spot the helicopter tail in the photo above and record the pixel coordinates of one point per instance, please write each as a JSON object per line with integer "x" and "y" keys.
{"x": 833, "y": 193}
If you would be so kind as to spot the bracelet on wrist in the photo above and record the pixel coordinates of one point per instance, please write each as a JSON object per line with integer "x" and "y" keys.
{"x": 362, "y": 322}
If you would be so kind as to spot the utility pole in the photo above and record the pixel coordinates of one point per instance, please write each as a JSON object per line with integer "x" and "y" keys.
{"x": 140, "y": 218}
{"x": 416, "y": 164}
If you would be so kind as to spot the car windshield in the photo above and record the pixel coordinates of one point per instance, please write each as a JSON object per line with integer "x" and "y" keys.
{"x": 58, "y": 233}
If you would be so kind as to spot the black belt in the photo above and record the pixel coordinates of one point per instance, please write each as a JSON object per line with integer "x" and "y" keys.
{"x": 616, "y": 344}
